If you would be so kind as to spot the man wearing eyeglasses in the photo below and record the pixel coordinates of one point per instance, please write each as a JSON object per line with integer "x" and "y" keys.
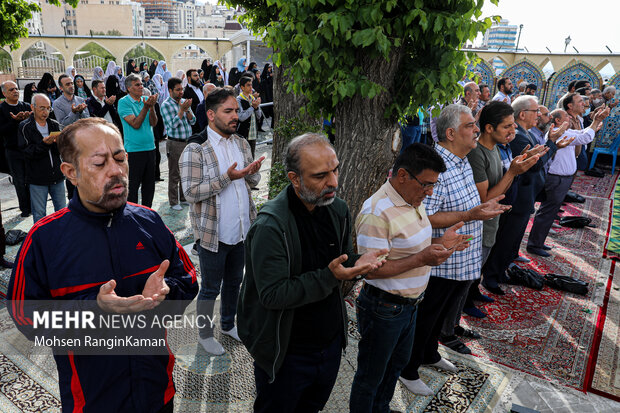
{"x": 513, "y": 224}
{"x": 454, "y": 203}
{"x": 37, "y": 139}
{"x": 12, "y": 112}
{"x": 394, "y": 219}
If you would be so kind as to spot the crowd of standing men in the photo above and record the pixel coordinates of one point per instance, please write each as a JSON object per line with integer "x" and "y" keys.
{"x": 450, "y": 214}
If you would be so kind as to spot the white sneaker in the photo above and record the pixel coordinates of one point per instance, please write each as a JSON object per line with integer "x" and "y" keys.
{"x": 212, "y": 346}
{"x": 444, "y": 365}
{"x": 177, "y": 207}
{"x": 232, "y": 333}
{"x": 417, "y": 387}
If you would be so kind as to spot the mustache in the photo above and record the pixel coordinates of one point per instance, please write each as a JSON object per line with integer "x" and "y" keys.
{"x": 116, "y": 180}
{"x": 328, "y": 191}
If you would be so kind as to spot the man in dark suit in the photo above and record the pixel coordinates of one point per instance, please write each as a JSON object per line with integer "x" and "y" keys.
{"x": 193, "y": 91}
{"x": 101, "y": 106}
{"x": 512, "y": 224}
{"x": 201, "y": 113}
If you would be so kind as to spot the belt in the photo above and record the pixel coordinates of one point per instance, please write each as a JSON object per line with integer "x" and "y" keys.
{"x": 392, "y": 298}
{"x": 177, "y": 139}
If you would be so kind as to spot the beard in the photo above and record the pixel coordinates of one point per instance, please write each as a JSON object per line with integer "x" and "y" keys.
{"x": 311, "y": 198}
{"x": 227, "y": 129}
{"x": 110, "y": 201}
{"x": 195, "y": 83}
{"x": 543, "y": 126}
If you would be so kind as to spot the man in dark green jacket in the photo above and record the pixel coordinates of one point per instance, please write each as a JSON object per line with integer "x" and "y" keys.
{"x": 291, "y": 316}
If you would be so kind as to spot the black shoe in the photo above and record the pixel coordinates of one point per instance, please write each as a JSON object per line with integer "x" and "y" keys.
{"x": 457, "y": 345}
{"x": 465, "y": 332}
{"x": 484, "y": 298}
{"x": 25, "y": 214}
{"x": 474, "y": 312}
{"x": 538, "y": 251}
{"x": 495, "y": 290}
{"x": 6, "y": 264}
{"x": 547, "y": 247}
{"x": 159, "y": 180}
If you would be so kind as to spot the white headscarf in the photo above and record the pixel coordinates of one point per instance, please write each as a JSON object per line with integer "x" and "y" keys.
{"x": 69, "y": 71}
{"x": 110, "y": 70}
{"x": 98, "y": 73}
{"x": 181, "y": 75}
{"x": 162, "y": 88}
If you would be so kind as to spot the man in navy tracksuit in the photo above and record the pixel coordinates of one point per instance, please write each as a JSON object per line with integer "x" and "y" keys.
{"x": 102, "y": 248}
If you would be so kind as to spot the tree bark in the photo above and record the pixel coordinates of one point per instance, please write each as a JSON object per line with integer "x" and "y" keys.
{"x": 367, "y": 142}
{"x": 286, "y": 107}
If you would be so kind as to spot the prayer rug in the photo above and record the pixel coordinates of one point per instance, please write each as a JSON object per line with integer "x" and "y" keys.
{"x": 545, "y": 333}
{"x": 590, "y": 186}
{"x": 613, "y": 242}
{"x": 606, "y": 360}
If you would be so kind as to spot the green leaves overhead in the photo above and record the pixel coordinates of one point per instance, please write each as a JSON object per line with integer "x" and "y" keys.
{"x": 327, "y": 47}
{"x": 13, "y": 17}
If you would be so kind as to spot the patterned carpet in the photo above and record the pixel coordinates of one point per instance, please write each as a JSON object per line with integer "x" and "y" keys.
{"x": 606, "y": 373}
{"x": 548, "y": 334}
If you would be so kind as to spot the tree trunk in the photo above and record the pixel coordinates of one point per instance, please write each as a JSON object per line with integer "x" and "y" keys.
{"x": 367, "y": 142}
{"x": 286, "y": 106}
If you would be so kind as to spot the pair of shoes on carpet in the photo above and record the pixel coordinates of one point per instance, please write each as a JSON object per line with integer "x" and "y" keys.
{"x": 493, "y": 289}
{"x": 465, "y": 332}
{"x": 522, "y": 259}
{"x": 176, "y": 207}
{"x": 6, "y": 264}
{"x": 455, "y": 344}
{"x": 419, "y": 387}
{"x": 537, "y": 251}
{"x": 474, "y": 312}
{"x": 212, "y": 346}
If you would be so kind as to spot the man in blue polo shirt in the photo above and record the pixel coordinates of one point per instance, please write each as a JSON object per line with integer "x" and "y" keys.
{"x": 138, "y": 118}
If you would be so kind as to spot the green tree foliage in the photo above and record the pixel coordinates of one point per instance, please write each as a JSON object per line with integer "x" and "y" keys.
{"x": 96, "y": 50}
{"x": 323, "y": 44}
{"x": 13, "y": 17}
{"x": 147, "y": 51}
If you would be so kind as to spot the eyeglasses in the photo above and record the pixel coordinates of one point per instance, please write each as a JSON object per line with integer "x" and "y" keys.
{"x": 425, "y": 187}
{"x": 531, "y": 110}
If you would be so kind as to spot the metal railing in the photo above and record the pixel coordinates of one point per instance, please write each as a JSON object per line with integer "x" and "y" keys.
{"x": 139, "y": 60}
{"x": 34, "y": 67}
{"x": 86, "y": 65}
{"x": 6, "y": 66}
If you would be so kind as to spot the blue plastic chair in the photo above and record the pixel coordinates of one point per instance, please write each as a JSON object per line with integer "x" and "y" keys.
{"x": 612, "y": 150}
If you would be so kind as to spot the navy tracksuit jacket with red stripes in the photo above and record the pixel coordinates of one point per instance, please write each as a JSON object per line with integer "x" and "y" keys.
{"x": 68, "y": 255}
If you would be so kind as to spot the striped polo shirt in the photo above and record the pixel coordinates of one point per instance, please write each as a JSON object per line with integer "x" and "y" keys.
{"x": 388, "y": 221}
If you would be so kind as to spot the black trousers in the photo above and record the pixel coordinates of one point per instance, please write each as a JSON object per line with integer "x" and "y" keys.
{"x": 142, "y": 176}
{"x": 506, "y": 249}
{"x": 2, "y": 237}
{"x": 439, "y": 298}
{"x": 17, "y": 168}
{"x": 303, "y": 383}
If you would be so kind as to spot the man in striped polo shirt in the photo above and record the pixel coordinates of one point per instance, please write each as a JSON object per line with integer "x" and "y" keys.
{"x": 394, "y": 218}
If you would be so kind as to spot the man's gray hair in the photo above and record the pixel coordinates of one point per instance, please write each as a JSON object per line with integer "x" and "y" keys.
{"x": 595, "y": 91}
{"x": 292, "y": 158}
{"x": 556, "y": 115}
{"x": 3, "y": 86}
{"x": 130, "y": 79}
{"x": 205, "y": 88}
{"x": 450, "y": 118}
{"x": 38, "y": 95}
{"x": 608, "y": 89}
{"x": 523, "y": 103}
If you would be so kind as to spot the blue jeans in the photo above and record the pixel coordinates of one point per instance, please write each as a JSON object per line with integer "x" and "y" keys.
{"x": 38, "y": 198}
{"x": 221, "y": 270}
{"x": 387, "y": 332}
{"x": 410, "y": 134}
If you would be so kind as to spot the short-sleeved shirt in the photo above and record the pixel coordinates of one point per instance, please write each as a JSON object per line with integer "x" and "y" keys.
{"x": 487, "y": 166}
{"x": 386, "y": 220}
{"x": 457, "y": 191}
{"x": 136, "y": 140}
